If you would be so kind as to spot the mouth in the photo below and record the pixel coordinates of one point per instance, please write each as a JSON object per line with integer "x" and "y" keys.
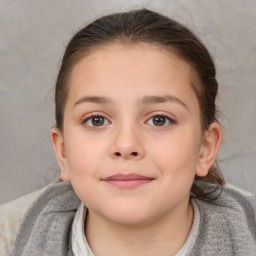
{"x": 126, "y": 181}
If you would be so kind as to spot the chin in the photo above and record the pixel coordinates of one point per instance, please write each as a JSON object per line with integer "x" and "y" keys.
{"x": 129, "y": 221}
{"x": 131, "y": 217}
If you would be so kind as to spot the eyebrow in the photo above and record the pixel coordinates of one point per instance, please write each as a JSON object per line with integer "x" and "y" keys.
{"x": 146, "y": 100}
{"x": 94, "y": 99}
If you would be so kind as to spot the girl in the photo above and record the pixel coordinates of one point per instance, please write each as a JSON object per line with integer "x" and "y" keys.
{"x": 136, "y": 138}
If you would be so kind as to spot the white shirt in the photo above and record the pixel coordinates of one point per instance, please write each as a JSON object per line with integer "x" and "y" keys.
{"x": 81, "y": 247}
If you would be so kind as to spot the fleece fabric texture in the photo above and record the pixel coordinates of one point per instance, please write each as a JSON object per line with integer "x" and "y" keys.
{"x": 227, "y": 225}
{"x": 10, "y": 218}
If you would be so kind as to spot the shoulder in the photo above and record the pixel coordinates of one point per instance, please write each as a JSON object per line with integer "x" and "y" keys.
{"x": 232, "y": 204}
{"x": 229, "y": 198}
{"x": 45, "y": 227}
{"x": 239, "y": 191}
{"x": 234, "y": 200}
{"x": 228, "y": 223}
{"x": 11, "y": 215}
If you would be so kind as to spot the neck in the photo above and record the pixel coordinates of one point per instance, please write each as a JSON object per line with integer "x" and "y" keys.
{"x": 166, "y": 235}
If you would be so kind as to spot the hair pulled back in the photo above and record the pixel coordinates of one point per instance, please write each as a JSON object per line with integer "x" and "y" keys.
{"x": 149, "y": 27}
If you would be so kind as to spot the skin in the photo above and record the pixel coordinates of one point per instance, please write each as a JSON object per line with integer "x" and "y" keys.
{"x": 129, "y": 140}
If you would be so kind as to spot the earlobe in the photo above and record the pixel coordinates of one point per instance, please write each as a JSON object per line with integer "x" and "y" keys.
{"x": 209, "y": 148}
{"x": 57, "y": 142}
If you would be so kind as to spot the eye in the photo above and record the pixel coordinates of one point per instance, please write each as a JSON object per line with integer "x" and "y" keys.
{"x": 160, "y": 120}
{"x": 95, "y": 120}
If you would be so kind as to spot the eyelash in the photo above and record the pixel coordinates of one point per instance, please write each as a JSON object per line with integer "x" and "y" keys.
{"x": 90, "y": 118}
{"x": 167, "y": 119}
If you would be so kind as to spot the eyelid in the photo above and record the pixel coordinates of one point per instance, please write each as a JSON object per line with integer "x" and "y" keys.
{"x": 87, "y": 117}
{"x": 168, "y": 117}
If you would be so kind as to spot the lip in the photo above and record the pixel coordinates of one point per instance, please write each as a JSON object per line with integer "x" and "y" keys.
{"x": 126, "y": 181}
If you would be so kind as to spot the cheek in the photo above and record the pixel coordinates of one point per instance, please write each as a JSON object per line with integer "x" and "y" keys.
{"x": 177, "y": 154}
{"x": 84, "y": 154}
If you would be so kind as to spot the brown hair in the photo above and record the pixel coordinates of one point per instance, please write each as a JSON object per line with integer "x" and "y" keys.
{"x": 150, "y": 27}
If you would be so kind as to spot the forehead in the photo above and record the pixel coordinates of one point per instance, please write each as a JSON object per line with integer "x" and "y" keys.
{"x": 126, "y": 74}
{"x": 141, "y": 60}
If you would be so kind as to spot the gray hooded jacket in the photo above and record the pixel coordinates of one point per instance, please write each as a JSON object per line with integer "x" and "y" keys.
{"x": 227, "y": 224}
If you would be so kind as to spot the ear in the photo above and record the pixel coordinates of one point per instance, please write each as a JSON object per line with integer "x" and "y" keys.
{"x": 57, "y": 141}
{"x": 209, "y": 148}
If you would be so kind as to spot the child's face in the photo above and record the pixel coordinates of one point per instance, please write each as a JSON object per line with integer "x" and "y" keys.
{"x": 148, "y": 127}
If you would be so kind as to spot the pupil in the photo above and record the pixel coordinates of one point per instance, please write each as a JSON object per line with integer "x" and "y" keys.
{"x": 97, "y": 121}
{"x": 159, "y": 120}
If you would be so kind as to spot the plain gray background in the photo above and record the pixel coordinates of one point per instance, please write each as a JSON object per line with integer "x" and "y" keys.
{"x": 33, "y": 35}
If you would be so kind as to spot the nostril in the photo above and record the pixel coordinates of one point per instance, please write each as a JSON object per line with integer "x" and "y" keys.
{"x": 132, "y": 153}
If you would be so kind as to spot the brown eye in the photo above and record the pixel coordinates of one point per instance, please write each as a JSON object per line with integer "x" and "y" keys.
{"x": 160, "y": 120}
{"x": 95, "y": 121}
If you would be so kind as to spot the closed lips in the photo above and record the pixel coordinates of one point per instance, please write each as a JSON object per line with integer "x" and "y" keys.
{"x": 128, "y": 181}
{"x": 127, "y": 177}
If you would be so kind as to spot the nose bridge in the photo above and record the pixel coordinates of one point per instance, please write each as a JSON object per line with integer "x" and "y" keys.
{"x": 127, "y": 141}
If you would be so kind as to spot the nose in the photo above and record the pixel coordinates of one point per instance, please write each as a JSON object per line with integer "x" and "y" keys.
{"x": 127, "y": 144}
